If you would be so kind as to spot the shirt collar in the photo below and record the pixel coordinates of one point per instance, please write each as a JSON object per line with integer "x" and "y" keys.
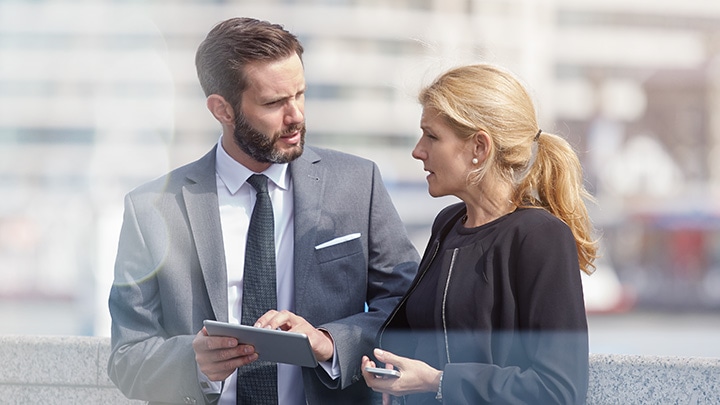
{"x": 234, "y": 174}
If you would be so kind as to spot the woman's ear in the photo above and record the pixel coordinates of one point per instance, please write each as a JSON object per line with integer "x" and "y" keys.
{"x": 481, "y": 145}
{"x": 221, "y": 109}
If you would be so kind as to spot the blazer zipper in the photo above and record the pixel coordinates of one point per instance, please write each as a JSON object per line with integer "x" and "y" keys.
{"x": 444, "y": 301}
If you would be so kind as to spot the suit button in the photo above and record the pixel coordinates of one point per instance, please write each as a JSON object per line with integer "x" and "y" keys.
{"x": 189, "y": 400}
{"x": 355, "y": 378}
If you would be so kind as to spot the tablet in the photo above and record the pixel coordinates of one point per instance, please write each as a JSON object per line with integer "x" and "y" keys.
{"x": 271, "y": 345}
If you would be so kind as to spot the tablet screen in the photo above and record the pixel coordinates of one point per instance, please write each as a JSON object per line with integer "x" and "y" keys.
{"x": 270, "y": 344}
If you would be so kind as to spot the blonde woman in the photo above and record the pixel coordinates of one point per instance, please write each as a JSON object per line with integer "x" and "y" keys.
{"x": 496, "y": 312}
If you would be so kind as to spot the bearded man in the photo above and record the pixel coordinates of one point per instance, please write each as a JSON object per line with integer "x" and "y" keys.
{"x": 342, "y": 258}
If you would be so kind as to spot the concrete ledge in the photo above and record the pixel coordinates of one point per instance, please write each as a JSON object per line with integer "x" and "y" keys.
{"x": 628, "y": 379}
{"x": 72, "y": 369}
{"x": 57, "y": 370}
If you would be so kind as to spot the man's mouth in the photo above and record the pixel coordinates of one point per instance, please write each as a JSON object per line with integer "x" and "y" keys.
{"x": 293, "y": 136}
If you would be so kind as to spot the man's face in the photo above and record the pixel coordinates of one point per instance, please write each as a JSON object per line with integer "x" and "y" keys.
{"x": 270, "y": 126}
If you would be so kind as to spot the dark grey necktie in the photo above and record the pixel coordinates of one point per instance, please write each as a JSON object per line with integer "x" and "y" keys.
{"x": 257, "y": 382}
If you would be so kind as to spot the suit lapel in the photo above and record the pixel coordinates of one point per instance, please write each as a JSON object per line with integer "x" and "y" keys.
{"x": 201, "y": 200}
{"x": 308, "y": 185}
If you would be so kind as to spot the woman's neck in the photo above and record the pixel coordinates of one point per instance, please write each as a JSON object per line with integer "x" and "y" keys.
{"x": 485, "y": 206}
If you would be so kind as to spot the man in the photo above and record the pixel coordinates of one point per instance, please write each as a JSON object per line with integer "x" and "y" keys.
{"x": 339, "y": 243}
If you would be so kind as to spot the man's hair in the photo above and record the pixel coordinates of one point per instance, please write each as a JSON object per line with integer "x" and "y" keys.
{"x": 232, "y": 44}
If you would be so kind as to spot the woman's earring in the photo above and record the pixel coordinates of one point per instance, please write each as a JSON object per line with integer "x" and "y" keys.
{"x": 474, "y": 161}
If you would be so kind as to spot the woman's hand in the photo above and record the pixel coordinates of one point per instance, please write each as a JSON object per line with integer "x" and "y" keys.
{"x": 415, "y": 376}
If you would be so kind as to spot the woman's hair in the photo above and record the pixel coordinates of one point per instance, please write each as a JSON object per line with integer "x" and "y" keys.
{"x": 543, "y": 169}
{"x": 232, "y": 44}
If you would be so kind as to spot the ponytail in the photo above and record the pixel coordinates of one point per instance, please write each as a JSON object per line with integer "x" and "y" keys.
{"x": 554, "y": 182}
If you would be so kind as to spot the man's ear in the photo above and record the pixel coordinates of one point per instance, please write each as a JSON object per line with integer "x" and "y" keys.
{"x": 221, "y": 109}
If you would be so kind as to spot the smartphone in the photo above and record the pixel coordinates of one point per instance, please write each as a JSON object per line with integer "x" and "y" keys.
{"x": 383, "y": 372}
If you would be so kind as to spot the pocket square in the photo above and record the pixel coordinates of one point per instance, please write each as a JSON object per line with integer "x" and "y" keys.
{"x": 338, "y": 240}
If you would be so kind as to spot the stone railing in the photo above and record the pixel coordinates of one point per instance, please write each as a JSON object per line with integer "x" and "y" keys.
{"x": 72, "y": 370}
{"x": 653, "y": 380}
{"x": 52, "y": 370}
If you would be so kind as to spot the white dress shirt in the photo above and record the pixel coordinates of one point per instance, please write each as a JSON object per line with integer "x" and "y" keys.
{"x": 237, "y": 198}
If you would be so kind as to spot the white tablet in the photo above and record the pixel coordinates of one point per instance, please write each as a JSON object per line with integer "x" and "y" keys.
{"x": 270, "y": 344}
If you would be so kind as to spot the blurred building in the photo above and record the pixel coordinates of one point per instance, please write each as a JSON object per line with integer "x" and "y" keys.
{"x": 98, "y": 97}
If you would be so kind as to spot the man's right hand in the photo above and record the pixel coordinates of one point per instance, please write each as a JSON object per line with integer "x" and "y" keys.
{"x": 219, "y": 356}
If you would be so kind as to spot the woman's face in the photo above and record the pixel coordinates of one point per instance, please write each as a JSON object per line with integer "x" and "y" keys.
{"x": 446, "y": 157}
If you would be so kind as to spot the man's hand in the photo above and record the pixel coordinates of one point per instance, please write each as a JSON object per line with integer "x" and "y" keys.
{"x": 219, "y": 356}
{"x": 320, "y": 340}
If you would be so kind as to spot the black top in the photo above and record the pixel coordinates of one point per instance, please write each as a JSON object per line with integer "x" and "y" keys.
{"x": 422, "y": 299}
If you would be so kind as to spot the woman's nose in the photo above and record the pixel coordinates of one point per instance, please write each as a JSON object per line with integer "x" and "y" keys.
{"x": 417, "y": 153}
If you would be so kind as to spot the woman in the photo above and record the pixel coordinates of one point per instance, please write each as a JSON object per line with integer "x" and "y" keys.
{"x": 496, "y": 312}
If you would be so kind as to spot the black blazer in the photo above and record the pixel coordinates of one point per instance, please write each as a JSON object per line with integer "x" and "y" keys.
{"x": 514, "y": 328}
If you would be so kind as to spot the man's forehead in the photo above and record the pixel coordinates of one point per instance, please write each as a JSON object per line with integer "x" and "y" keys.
{"x": 275, "y": 77}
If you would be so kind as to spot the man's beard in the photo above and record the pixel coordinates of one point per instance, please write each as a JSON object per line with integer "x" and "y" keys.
{"x": 261, "y": 147}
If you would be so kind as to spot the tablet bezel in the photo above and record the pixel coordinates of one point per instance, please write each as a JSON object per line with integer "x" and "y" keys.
{"x": 271, "y": 345}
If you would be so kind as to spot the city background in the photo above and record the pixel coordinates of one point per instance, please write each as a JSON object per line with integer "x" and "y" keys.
{"x": 97, "y": 97}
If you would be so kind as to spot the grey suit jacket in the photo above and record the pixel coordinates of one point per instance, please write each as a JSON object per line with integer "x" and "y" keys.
{"x": 170, "y": 273}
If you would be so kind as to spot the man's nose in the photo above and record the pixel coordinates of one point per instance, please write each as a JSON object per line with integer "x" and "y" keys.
{"x": 294, "y": 113}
